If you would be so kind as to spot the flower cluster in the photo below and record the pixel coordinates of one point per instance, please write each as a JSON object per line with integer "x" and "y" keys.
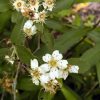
{"x": 35, "y": 11}
{"x": 53, "y": 69}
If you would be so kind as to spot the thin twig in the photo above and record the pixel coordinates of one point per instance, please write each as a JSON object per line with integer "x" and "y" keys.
{"x": 15, "y": 81}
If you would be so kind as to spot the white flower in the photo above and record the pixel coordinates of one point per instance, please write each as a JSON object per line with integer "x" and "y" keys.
{"x": 42, "y": 16}
{"x": 18, "y": 4}
{"x": 54, "y": 63}
{"x": 34, "y": 5}
{"x": 29, "y": 28}
{"x": 73, "y": 69}
{"x": 9, "y": 59}
{"x": 48, "y": 4}
{"x": 55, "y": 60}
{"x": 35, "y": 71}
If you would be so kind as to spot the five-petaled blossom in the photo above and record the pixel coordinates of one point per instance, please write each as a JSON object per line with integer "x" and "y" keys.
{"x": 18, "y": 4}
{"x": 54, "y": 63}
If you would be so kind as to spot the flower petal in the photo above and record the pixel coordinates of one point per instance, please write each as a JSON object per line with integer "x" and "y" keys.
{"x": 44, "y": 78}
{"x": 54, "y": 73}
{"x": 62, "y": 64}
{"x": 45, "y": 68}
{"x": 28, "y": 24}
{"x": 33, "y": 29}
{"x": 63, "y": 74}
{"x": 73, "y": 69}
{"x": 34, "y": 64}
{"x": 46, "y": 58}
{"x": 56, "y": 55}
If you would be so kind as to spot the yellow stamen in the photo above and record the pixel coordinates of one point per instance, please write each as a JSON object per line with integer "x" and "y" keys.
{"x": 19, "y": 4}
{"x": 36, "y": 73}
{"x": 53, "y": 63}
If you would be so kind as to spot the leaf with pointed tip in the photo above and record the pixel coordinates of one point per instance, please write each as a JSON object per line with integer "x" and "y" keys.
{"x": 70, "y": 38}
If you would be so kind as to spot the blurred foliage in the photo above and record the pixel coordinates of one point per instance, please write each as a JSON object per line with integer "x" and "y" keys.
{"x": 79, "y": 42}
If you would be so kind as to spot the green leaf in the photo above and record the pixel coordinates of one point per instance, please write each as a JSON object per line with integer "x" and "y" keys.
{"x": 64, "y": 13}
{"x": 17, "y": 36}
{"x": 3, "y": 52}
{"x": 48, "y": 39}
{"x": 45, "y": 95}
{"x": 83, "y": 65}
{"x": 92, "y": 56}
{"x": 24, "y": 54}
{"x": 4, "y": 19}
{"x": 15, "y": 18}
{"x": 95, "y": 35}
{"x": 56, "y": 25}
{"x": 4, "y": 5}
{"x": 69, "y": 94}
{"x": 70, "y": 38}
{"x": 5, "y": 66}
{"x": 25, "y": 83}
{"x": 62, "y": 4}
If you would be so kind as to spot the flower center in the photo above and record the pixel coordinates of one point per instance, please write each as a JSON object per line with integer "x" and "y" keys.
{"x": 28, "y": 31}
{"x": 53, "y": 63}
{"x": 49, "y": 2}
{"x": 19, "y": 4}
{"x": 36, "y": 73}
{"x": 31, "y": 14}
{"x": 42, "y": 16}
